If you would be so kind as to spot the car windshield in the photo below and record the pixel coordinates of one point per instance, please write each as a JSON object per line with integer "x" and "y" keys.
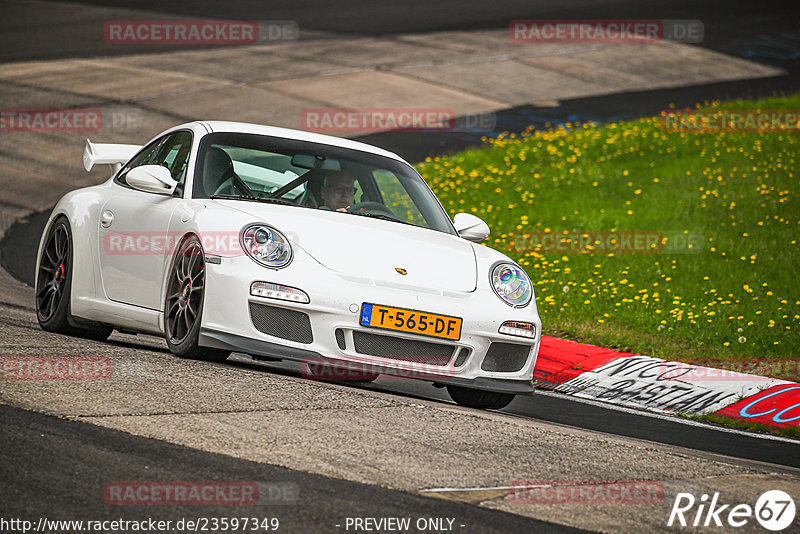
{"x": 253, "y": 167}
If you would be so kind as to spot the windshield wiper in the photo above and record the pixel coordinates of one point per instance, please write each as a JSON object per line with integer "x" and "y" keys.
{"x": 267, "y": 200}
{"x": 378, "y": 216}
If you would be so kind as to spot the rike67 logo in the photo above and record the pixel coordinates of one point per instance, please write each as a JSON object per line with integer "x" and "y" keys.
{"x": 774, "y": 510}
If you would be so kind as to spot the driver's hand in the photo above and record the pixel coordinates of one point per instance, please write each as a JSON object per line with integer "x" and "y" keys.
{"x": 343, "y": 209}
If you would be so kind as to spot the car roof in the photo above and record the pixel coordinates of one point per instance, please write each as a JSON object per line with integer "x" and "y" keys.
{"x": 300, "y": 135}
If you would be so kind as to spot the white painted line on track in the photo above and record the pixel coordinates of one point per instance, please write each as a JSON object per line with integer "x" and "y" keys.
{"x": 519, "y": 486}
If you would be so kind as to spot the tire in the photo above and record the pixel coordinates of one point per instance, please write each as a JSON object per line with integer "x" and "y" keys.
{"x": 183, "y": 306}
{"x": 476, "y": 398}
{"x": 96, "y": 333}
{"x": 54, "y": 287}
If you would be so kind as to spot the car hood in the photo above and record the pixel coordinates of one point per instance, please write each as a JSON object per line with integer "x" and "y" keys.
{"x": 371, "y": 248}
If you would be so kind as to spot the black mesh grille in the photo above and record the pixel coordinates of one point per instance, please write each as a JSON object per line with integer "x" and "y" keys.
{"x": 505, "y": 357}
{"x": 340, "y": 338}
{"x": 409, "y": 350}
{"x": 461, "y": 359}
{"x": 280, "y": 322}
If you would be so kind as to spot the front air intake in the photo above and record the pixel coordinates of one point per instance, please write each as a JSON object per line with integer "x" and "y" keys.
{"x": 340, "y": 341}
{"x": 505, "y": 357}
{"x": 281, "y": 322}
{"x": 409, "y": 350}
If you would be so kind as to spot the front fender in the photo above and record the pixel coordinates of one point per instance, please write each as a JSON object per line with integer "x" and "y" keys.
{"x": 82, "y": 210}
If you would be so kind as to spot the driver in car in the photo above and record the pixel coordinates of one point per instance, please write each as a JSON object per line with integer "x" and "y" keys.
{"x": 338, "y": 191}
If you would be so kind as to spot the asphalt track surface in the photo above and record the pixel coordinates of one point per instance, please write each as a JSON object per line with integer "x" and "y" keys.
{"x": 60, "y": 466}
{"x": 557, "y": 408}
{"x": 43, "y": 32}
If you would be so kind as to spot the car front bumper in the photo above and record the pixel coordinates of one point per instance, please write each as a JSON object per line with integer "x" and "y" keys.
{"x": 335, "y": 305}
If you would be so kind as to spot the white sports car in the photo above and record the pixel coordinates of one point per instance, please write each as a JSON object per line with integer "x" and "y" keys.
{"x": 281, "y": 244}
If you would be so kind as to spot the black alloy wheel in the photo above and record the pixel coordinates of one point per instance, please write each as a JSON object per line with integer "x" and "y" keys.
{"x": 54, "y": 287}
{"x": 183, "y": 307}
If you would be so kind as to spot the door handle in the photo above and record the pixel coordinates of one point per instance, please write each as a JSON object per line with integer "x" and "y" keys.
{"x": 106, "y": 219}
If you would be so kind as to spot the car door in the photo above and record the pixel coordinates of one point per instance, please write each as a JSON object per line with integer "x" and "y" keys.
{"x": 134, "y": 245}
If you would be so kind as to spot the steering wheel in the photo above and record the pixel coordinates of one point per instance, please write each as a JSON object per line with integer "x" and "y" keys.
{"x": 231, "y": 183}
{"x": 370, "y": 206}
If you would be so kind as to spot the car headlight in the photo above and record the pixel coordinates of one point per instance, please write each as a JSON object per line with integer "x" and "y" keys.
{"x": 266, "y": 246}
{"x": 511, "y": 284}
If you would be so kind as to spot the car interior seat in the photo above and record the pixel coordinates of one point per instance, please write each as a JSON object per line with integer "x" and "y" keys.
{"x": 217, "y": 168}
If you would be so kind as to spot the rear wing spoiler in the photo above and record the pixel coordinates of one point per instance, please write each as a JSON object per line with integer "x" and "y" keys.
{"x": 106, "y": 153}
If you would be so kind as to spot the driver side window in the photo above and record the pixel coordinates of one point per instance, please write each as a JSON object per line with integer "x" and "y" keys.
{"x": 171, "y": 151}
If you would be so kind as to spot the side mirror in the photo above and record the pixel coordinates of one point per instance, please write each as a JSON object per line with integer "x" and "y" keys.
{"x": 151, "y": 179}
{"x": 470, "y": 227}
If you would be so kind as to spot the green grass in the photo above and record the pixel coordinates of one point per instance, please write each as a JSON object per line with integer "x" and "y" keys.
{"x": 788, "y": 431}
{"x": 732, "y": 300}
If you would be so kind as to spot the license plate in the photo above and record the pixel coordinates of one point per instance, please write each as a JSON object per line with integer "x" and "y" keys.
{"x": 413, "y": 321}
